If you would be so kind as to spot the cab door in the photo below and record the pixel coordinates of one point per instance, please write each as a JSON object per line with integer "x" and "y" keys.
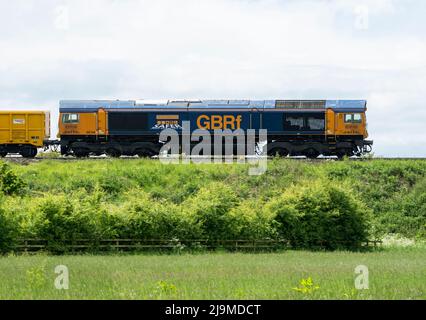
{"x": 331, "y": 118}
{"x": 101, "y": 128}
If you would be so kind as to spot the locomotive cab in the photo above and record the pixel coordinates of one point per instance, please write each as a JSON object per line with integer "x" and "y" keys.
{"x": 347, "y": 129}
{"x": 352, "y": 124}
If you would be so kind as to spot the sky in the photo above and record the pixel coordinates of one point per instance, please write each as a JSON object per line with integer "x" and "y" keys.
{"x": 213, "y": 49}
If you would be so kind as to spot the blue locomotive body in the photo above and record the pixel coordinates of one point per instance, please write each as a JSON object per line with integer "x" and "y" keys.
{"x": 296, "y": 127}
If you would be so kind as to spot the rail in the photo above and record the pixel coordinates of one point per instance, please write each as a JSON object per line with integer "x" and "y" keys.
{"x": 94, "y": 158}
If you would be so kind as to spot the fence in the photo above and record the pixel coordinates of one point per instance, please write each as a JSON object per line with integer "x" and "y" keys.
{"x": 33, "y": 245}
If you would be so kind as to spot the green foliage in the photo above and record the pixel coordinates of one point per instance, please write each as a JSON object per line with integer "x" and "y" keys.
{"x": 306, "y": 203}
{"x": 408, "y": 215}
{"x": 142, "y": 217}
{"x": 306, "y": 286}
{"x": 164, "y": 289}
{"x": 396, "y": 274}
{"x": 10, "y": 183}
{"x": 49, "y": 154}
{"x": 8, "y": 229}
{"x": 57, "y": 221}
{"x": 320, "y": 214}
{"x": 250, "y": 221}
{"x": 36, "y": 278}
{"x": 210, "y": 207}
{"x": 114, "y": 184}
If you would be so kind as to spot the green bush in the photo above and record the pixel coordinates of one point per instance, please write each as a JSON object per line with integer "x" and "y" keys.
{"x": 10, "y": 183}
{"x": 249, "y": 221}
{"x": 8, "y": 229}
{"x": 142, "y": 217}
{"x": 57, "y": 220}
{"x": 209, "y": 209}
{"x": 5, "y": 236}
{"x": 303, "y": 202}
{"x": 408, "y": 215}
{"x": 320, "y": 214}
{"x": 114, "y": 184}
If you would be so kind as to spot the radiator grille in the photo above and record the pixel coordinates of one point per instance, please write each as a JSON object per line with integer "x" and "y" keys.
{"x": 300, "y": 104}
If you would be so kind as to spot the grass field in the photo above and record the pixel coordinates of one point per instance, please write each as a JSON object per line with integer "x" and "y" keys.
{"x": 397, "y": 273}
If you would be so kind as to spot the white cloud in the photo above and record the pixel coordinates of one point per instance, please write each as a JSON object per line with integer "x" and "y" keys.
{"x": 218, "y": 48}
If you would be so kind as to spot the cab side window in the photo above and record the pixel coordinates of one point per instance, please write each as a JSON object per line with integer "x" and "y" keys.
{"x": 304, "y": 121}
{"x": 70, "y": 118}
{"x": 357, "y": 118}
{"x": 315, "y": 123}
{"x": 353, "y": 118}
{"x": 293, "y": 123}
{"x": 348, "y": 118}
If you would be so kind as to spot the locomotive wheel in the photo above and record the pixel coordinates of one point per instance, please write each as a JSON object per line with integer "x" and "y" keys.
{"x": 145, "y": 153}
{"x": 114, "y": 153}
{"x": 81, "y": 152}
{"x": 312, "y": 154}
{"x": 281, "y": 152}
{"x": 342, "y": 153}
{"x": 30, "y": 152}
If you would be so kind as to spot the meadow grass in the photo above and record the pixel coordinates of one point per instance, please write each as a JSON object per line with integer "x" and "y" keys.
{"x": 398, "y": 273}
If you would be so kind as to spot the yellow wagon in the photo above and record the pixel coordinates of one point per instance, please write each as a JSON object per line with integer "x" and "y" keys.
{"x": 23, "y": 132}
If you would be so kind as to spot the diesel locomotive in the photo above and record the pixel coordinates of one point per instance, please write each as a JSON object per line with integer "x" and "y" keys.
{"x": 116, "y": 127}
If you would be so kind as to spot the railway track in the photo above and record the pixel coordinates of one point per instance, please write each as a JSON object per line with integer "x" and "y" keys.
{"x": 20, "y": 159}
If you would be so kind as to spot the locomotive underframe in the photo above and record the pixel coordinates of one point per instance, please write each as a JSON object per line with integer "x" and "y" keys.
{"x": 148, "y": 145}
{"x": 26, "y": 150}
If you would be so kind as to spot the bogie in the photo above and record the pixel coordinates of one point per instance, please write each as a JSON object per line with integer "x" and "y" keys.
{"x": 29, "y": 152}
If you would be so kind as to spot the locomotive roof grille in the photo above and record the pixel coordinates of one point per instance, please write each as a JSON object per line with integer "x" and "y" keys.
{"x": 89, "y": 105}
{"x": 300, "y": 104}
